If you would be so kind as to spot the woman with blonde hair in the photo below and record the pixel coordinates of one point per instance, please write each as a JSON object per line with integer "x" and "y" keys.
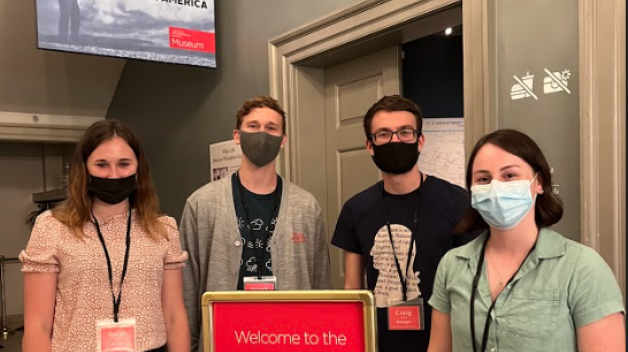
{"x": 102, "y": 271}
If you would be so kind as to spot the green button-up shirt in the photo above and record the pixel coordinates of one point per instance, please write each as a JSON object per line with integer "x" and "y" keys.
{"x": 561, "y": 286}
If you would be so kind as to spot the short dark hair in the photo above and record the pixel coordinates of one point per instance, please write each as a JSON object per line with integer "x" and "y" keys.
{"x": 392, "y": 103}
{"x": 548, "y": 208}
{"x": 260, "y": 101}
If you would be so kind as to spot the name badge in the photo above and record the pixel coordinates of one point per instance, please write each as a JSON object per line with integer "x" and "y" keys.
{"x": 116, "y": 337}
{"x": 406, "y": 315}
{"x": 266, "y": 283}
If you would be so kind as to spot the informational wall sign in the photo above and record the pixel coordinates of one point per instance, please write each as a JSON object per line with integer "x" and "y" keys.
{"x": 224, "y": 159}
{"x": 289, "y": 321}
{"x": 443, "y": 151}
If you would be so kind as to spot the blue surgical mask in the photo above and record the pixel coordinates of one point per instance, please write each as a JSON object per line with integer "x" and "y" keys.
{"x": 503, "y": 204}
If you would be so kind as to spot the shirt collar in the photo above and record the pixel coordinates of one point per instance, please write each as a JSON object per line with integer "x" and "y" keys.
{"x": 549, "y": 245}
{"x": 473, "y": 248}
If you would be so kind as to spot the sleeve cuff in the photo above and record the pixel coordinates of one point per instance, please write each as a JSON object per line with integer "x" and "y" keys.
{"x": 38, "y": 263}
{"x": 39, "y": 268}
{"x": 345, "y": 246}
{"x": 175, "y": 261}
{"x": 439, "y": 305}
{"x": 598, "y": 313}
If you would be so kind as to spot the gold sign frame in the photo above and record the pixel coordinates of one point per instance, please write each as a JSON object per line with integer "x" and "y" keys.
{"x": 365, "y": 297}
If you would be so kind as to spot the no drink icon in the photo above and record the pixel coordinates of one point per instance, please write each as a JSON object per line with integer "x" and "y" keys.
{"x": 523, "y": 88}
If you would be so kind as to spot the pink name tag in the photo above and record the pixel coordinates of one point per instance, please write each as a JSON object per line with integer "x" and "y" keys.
{"x": 116, "y": 337}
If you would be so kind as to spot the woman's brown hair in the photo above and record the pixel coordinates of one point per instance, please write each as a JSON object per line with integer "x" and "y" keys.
{"x": 548, "y": 208}
{"x": 75, "y": 211}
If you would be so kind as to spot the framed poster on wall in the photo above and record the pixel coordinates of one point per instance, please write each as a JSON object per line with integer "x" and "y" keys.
{"x": 170, "y": 31}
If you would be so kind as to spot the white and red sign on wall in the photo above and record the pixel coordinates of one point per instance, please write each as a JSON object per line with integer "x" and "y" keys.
{"x": 172, "y": 31}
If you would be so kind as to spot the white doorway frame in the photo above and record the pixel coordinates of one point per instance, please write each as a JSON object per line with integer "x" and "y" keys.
{"x": 368, "y": 19}
{"x": 602, "y": 45}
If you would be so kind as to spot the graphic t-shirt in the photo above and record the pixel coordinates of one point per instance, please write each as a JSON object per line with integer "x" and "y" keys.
{"x": 257, "y": 233}
{"x": 362, "y": 229}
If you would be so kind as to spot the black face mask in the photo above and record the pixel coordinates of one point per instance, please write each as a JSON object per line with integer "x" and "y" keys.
{"x": 396, "y": 157}
{"x": 113, "y": 190}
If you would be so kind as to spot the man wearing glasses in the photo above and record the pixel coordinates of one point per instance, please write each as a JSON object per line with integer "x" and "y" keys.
{"x": 407, "y": 215}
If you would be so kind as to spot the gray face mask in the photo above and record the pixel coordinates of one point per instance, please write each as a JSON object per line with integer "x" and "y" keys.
{"x": 260, "y": 147}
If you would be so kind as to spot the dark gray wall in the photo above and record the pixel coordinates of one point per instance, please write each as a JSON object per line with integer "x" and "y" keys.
{"x": 533, "y": 35}
{"x": 178, "y": 110}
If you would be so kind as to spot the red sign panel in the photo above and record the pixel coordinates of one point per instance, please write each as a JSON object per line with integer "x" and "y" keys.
{"x": 188, "y": 39}
{"x": 288, "y": 326}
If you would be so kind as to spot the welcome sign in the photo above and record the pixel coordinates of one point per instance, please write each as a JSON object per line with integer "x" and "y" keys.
{"x": 289, "y": 321}
{"x": 172, "y": 31}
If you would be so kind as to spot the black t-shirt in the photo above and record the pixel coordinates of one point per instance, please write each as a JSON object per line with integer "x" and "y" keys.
{"x": 361, "y": 229}
{"x": 258, "y": 232}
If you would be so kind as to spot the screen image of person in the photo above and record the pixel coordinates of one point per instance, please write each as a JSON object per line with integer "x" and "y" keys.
{"x": 103, "y": 268}
{"x": 399, "y": 228}
{"x": 253, "y": 224}
{"x": 220, "y": 173}
{"x": 520, "y": 286}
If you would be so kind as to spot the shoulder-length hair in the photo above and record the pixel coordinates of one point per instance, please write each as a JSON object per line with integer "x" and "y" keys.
{"x": 548, "y": 208}
{"x": 75, "y": 211}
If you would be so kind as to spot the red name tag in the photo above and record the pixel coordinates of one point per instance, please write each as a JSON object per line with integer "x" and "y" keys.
{"x": 265, "y": 283}
{"x": 404, "y": 318}
{"x": 264, "y": 286}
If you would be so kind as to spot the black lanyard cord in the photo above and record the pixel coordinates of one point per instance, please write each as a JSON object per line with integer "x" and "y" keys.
{"x": 476, "y": 281}
{"x": 116, "y": 302}
{"x": 259, "y": 253}
{"x": 415, "y": 220}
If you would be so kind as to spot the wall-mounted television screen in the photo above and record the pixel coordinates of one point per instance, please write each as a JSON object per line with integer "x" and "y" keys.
{"x": 172, "y": 31}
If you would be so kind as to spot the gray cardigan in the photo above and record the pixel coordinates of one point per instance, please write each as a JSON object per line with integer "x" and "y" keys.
{"x": 210, "y": 234}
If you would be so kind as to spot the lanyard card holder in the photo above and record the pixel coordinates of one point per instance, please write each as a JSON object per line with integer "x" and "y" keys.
{"x": 265, "y": 283}
{"x": 406, "y": 315}
{"x": 116, "y": 337}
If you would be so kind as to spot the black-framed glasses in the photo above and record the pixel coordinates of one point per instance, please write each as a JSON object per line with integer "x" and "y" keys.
{"x": 406, "y": 135}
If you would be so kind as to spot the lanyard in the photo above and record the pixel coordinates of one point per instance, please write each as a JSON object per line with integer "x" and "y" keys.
{"x": 415, "y": 221}
{"x": 259, "y": 252}
{"x": 476, "y": 280}
{"x": 116, "y": 302}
